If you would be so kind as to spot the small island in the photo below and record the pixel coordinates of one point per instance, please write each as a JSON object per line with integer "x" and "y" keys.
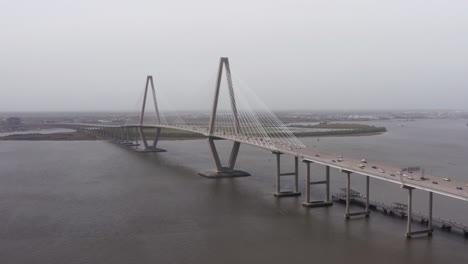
{"x": 329, "y": 129}
{"x": 339, "y": 129}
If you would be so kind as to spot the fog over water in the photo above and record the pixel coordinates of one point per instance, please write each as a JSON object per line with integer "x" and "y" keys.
{"x": 94, "y": 55}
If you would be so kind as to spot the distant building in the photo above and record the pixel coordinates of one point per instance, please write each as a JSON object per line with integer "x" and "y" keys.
{"x": 13, "y": 121}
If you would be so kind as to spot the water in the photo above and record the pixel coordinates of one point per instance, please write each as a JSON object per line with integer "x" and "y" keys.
{"x": 96, "y": 202}
{"x": 40, "y": 131}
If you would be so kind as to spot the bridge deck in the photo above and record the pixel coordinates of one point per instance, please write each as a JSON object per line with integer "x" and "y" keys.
{"x": 430, "y": 183}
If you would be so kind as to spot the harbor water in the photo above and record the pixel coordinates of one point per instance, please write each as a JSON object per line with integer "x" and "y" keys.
{"x": 98, "y": 202}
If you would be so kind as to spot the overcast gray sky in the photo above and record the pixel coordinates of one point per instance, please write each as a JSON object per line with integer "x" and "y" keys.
{"x": 95, "y": 54}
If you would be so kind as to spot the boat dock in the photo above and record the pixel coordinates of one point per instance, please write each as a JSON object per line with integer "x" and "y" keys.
{"x": 400, "y": 210}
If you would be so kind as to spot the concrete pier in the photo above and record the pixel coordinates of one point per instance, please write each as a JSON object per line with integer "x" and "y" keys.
{"x": 279, "y": 192}
{"x": 349, "y": 214}
{"x": 409, "y": 232}
{"x": 317, "y": 203}
{"x": 224, "y": 171}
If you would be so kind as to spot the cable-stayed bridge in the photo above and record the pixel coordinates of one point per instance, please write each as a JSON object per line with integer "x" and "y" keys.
{"x": 239, "y": 116}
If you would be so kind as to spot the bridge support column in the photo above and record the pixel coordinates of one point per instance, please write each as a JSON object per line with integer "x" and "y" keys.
{"x": 153, "y": 147}
{"x": 295, "y": 173}
{"x": 409, "y": 214}
{"x": 122, "y": 135}
{"x": 119, "y": 135}
{"x": 115, "y": 134}
{"x": 124, "y": 140}
{"x": 321, "y": 203}
{"x": 129, "y": 138}
{"x": 224, "y": 172}
{"x": 136, "y": 137}
{"x": 429, "y": 222}
{"x": 148, "y": 148}
{"x": 349, "y": 214}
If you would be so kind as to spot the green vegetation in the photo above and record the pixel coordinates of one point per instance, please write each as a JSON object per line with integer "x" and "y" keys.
{"x": 167, "y": 133}
{"x": 72, "y": 136}
{"x": 174, "y": 133}
{"x": 336, "y": 126}
{"x": 344, "y": 132}
{"x": 340, "y": 129}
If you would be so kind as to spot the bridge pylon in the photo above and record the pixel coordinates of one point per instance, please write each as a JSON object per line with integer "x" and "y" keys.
{"x": 147, "y": 147}
{"x": 224, "y": 171}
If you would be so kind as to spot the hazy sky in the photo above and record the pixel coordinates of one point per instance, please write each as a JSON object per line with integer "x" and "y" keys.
{"x": 95, "y": 55}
